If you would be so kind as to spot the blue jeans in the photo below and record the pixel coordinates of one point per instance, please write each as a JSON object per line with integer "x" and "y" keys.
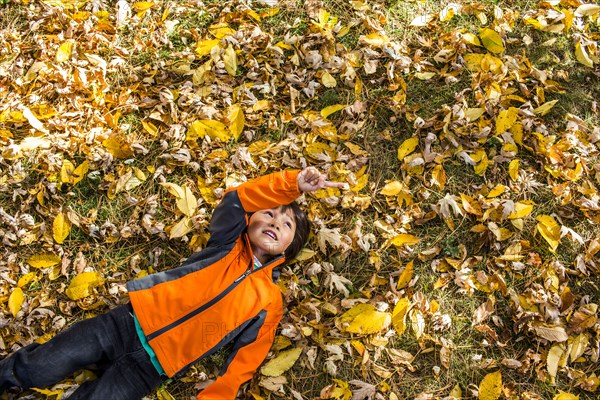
{"x": 109, "y": 341}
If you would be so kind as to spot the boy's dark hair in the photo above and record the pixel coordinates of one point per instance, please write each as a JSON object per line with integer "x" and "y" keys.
{"x": 302, "y": 230}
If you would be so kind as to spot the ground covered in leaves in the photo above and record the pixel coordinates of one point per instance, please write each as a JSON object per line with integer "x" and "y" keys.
{"x": 462, "y": 262}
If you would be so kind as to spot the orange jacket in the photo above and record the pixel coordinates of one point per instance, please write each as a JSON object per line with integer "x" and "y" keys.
{"x": 214, "y": 297}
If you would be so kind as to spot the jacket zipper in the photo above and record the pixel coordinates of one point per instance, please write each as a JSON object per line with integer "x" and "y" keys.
{"x": 212, "y": 301}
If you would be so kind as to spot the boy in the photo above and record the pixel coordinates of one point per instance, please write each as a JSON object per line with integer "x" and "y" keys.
{"x": 226, "y": 292}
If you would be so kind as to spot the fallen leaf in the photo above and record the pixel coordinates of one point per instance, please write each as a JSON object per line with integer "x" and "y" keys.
{"x": 399, "y": 315}
{"x": 490, "y": 387}
{"x": 210, "y": 128}
{"x": 545, "y": 108}
{"x": 405, "y": 276}
{"x": 549, "y": 229}
{"x": 491, "y": 40}
{"x": 43, "y": 260}
{"x": 364, "y": 319}
{"x": 284, "y": 361}
{"x": 237, "y": 120}
{"x": 230, "y": 60}
{"x": 64, "y": 51}
{"x": 407, "y": 147}
{"x": 553, "y": 333}
{"x": 83, "y": 284}
{"x": 61, "y": 227}
{"x": 15, "y": 301}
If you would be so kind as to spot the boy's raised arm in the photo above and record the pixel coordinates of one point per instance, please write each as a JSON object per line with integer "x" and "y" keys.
{"x": 268, "y": 191}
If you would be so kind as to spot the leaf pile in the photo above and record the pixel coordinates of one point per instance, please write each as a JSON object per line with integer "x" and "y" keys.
{"x": 121, "y": 125}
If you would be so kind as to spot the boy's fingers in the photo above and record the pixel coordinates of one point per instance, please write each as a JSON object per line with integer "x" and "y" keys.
{"x": 340, "y": 185}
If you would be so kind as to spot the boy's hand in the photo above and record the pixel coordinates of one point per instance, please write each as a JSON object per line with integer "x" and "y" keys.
{"x": 310, "y": 179}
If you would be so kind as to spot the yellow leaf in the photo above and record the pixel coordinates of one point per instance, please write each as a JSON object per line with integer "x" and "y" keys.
{"x": 392, "y": 188}
{"x": 25, "y": 279}
{"x": 305, "y": 254}
{"x": 320, "y": 151}
{"x": 491, "y": 64}
{"x": 402, "y": 239}
{"x": 82, "y": 285}
{"x": 545, "y": 108}
{"x": 513, "y": 170}
{"x": 470, "y": 205}
{"x": 424, "y": 76}
{"x": 118, "y": 146}
{"x": 141, "y": 6}
{"x": 230, "y": 60}
{"x": 221, "y": 30}
{"x": 456, "y": 392}
{"x": 284, "y": 361}
{"x": 555, "y": 353}
{"x": 582, "y": 56}
{"x": 174, "y": 189}
{"x": 406, "y": 276}
{"x": 491, "y": 40}
{"x": 237, "y": 120}
{"x": 61, "y": 227}
{"x": 374, "y": 39}
{"x": 490, "y": 387}
{"x": 438, "y": 176}
{"x": 549, "y": 229}
{"x": 150, "y": 128}
{"x": 270, "y": 12}
{"x": 522, "y": 209}
{"x": 187, "y": 203}
{"x": 565, "y": 396}
{"x": 471, "y": 39}
{"x": 407, "y": 147}
{"x": 399, "y": 315}
{"x": 364, "y": 319}
{"x": 48, "y": 392}
{"x": 204, "y": 47}
{"x": 327, "y": 111}
{"x": 537, "y": 24}
{"x": 473, "y": 61}
{"x": 496, "y": 191}
{"x": 481, "y": 167}
{"x": 163, "y": 394}
{"x": 417, "y": 322}
{"x": 43, "y": 260}
{"x": 328, "y": 80}
{"x": 80, "y": 172}
{"x": 210, "y": 128}
{"x": 473, "y": 114}
{"x": 578, "y": 345}
{"x": 64, "y": 51}
{"x": 71, "y": 175}
{"x": 15, "y": 301}
{"x": 181, "y": 228}
{"x": 448, "y": 12}
{"x": 506, "y": 119}
{"x": 66, "y": 172}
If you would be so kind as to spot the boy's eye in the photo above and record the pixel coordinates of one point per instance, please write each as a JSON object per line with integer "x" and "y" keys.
{"x": 269, "y": 213}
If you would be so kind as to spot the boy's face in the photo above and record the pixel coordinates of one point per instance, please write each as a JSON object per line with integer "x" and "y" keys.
{"x": 271, "y": 231}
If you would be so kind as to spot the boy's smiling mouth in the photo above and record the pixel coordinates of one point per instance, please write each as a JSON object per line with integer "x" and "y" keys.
{"x": 271, "y": 234}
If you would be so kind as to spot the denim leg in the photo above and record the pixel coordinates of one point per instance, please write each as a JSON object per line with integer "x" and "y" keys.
{"x": 129, "y": 378}
{"x": 103, "y": 338}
